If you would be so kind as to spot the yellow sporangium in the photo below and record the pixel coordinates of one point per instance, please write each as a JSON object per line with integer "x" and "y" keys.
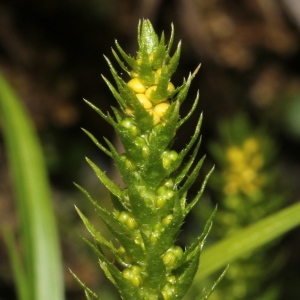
{"x": 244, "y": 163}
{"x": 136, "y": 85}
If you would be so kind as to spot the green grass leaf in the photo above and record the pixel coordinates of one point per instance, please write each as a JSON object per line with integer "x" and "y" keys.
{"x": 246, "y": 240}
{"x": 42, "y": 258}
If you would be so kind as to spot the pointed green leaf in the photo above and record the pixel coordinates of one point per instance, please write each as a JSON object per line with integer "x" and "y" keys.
{"x": 188, "y": 165}
{"x": 191, "y": 178}
{"x": 89, "y": 293}
{"x": 96, "y": 234}
{"x": 173, "y": 63}
{"x": 186, "y": 273}
{"x": 185, "y": 151}
{"x": 207, "y": 294}
{"x": 130, "y": 60}
{"x": 115, "y": 93}
{"x": 199, "y": 194}
{"x": 122, "y": 65}
{"x": 112, "y": 187}
{"x": 95, "y": 141}
{"x": 107, "y": 118}
{"x": 183, "y": 92}
{"x": 183, "y": 120}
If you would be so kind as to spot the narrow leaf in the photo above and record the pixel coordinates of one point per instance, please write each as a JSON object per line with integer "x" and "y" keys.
{"x": 112, "y": 187}
{"x": 100, "y": 146}
{"x": 192, "y": 177}
{"x": 89, "y": 293}
{"x": 96, "y": 234}
{"x": 18, "y": 269}
{"x": 195, "y": 103}
{"x": 248, "y": 239}
{"x": 37, "y": 219}
{"x": 199, "y": 194}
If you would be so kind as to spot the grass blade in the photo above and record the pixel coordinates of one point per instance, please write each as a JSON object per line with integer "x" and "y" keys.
{"x": 248, "y": 239}
{"x": 42, "y": 258}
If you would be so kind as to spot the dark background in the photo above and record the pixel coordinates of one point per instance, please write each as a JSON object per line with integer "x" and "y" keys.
{"x": 52, "y": 54}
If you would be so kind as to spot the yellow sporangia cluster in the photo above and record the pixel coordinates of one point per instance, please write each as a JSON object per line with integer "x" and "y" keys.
{"x": 243, "y": 173}
{"x": 144, "y": 92}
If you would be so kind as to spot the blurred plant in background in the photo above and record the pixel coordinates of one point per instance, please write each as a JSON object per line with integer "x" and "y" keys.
{"x": 247, "y": 188}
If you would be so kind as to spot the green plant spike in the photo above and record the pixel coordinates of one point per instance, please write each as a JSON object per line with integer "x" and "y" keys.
{"x": 148, "y": 213}
{"x": 38, "y": 273}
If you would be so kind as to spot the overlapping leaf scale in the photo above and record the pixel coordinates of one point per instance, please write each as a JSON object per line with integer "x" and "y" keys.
{"x": 123, "y": 235}
{"x": 171, "y": 231}
{"x": 154, "y": 169}
{"x": 141, "y": 200}
{"x": 156, "y": 269}
{"x": 186, "y": 273}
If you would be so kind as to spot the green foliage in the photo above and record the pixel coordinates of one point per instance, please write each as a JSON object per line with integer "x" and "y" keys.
{"x": 38, "y": 273}
{"x": 148, "y": 213}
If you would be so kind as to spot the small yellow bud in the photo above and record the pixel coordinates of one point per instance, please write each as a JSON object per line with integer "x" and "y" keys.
{"x": 168, "y": 157}
{"x": 139, "y": 61}
{"x": 171, "y": 279}
{"x": 129, "y": 124}
{"x": 134, "y": 74}
{"x": 168, "y": 183}
{"x": 168, "y": 291}
{"x": 137, "y": 238}
{"x": 128, "y": 163}
{"x": 156, "y": 117}
{"x": 160, "y": 201}
{"x": 144, "y": 101}
{"x": 131, "y": 223}
{"x": 169, "y": 259}
{"x": 150, "y": 90}
{"x": 157, "y": 75}
{"x": 167, "y": 219}
{"x": 173, "y": 155}
{"x": 151, "y": 57}
{"x": 123, "y": 254}
{"x": 177, "y": 251}
{"x": 123, "y": 216}
{"x": 136, "y": 85}
{"x": 170, "y": 88}
{"x": 166, "y": 162}
{"x": 154, "y": 236}
{"x": 161, "y": 108}
{"x": 133, "y": 274}
{"x": 129, "y": 111}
